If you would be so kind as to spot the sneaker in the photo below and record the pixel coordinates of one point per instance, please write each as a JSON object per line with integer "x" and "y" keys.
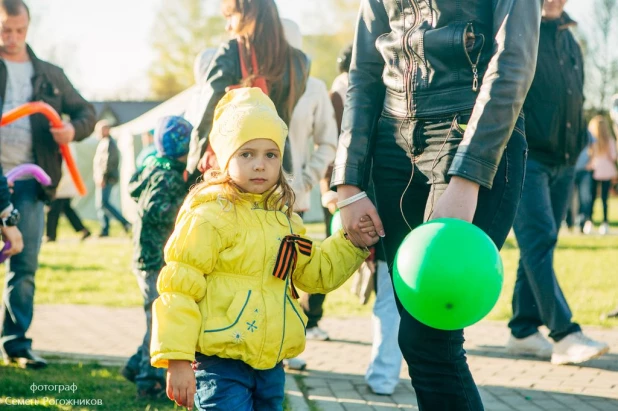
{"x": 534, "y": 345}
{"x": 612, "y": 314}
{"x": 295, "y": 364}
{"x": 604, "y": 228}
{"x": 25, "y": 358}
{"x": 576, "y": 348}
{"x": 317, "y": 334}
{"x": 587, "y": 227}
{"x": 85, "y": 234}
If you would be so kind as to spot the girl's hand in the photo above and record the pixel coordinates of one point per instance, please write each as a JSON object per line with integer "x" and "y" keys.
{"x": 459, "y": 200}
{"x": 181, "y": 384}
{"x": 352, "y": 214}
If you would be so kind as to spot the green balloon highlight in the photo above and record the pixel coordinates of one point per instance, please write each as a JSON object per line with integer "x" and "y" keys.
{"x": 335, "y": 223}
{"x": 448, "y": 274}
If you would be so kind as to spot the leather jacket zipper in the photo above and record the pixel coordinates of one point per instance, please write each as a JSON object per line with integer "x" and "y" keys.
{"x": 475, "y": 70}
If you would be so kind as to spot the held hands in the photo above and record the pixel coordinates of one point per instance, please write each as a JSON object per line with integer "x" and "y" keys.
{"x": 459, "y": 200}
{"x": 13, "y": 235}
{"x": 63, "y": 135}
{"x": 360, "y": 219}
{"x": 181, "y": 384}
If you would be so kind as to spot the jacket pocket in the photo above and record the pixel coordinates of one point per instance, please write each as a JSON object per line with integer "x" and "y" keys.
{"x": 294, "y": 334}
{"x": 221, "y": 321}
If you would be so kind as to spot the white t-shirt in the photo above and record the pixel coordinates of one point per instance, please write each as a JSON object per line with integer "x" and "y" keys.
{"x": 16, "y": 137}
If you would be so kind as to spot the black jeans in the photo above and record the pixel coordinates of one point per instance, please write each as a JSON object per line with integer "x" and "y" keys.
{"x": 605, "y": 186}
{"x": 57, "y": 207}
{"x": 436, "y": 358}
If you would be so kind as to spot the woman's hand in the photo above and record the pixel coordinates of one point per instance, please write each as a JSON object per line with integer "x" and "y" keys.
{"x": 459, "y": 200}
{"x": 360, "y": 219}
{"x": 181, "y": 384}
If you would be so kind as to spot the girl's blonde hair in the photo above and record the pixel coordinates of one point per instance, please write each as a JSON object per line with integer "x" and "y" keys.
{"x": 599, "y": 128}
{"x": 280, "y": 196}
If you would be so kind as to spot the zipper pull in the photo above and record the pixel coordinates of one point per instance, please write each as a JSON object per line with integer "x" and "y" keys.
{"x": 475, "y": 81}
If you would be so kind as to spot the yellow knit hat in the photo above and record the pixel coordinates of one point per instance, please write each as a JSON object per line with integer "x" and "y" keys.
{"x": 242, "y": 115}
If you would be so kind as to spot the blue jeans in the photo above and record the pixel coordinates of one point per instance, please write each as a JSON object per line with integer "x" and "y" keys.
{"x": 139, "y": 363}
{"x": 105, "y": 209}
{"x": 226, "y": 385}
{"x": 406, "y": 194}
{"x": 537, "y": 297}
{"x": 18, "y": 298}
{"x": 383, "y": 372}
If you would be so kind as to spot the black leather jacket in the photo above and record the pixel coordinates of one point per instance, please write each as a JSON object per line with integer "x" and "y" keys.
{"x": 424, "y": 59}
{"x": 225, "y": 71}
{"x": 52, "y": 86}
{"x": 554, "y": 108}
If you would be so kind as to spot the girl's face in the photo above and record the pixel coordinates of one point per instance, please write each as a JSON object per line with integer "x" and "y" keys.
{"x": 255, "y": 166}
{"x": 235, "y": 26}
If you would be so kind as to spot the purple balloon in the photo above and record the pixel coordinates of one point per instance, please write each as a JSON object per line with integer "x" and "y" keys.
{"x": 29, "y": 169}
{"x": 7, "y": 245}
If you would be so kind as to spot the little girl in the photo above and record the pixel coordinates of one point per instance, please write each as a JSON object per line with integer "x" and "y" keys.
{"x": 228, "y": 301}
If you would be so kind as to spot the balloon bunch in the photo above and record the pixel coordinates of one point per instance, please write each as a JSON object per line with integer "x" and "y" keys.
{"x": 20, "y": 171}
{"x": 56, "y": 122}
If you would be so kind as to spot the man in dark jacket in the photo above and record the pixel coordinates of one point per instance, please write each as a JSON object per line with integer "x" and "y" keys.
{"x": 432, "y": 117}
{"x": 556, "y": 134}
{"x": 25, "y": 78}
{"x": 106, "y": 174}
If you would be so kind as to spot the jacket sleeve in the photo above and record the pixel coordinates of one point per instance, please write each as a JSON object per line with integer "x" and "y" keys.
{"x": 505, "y": 85}
{"x": 190, "y": 254}
{"x": 330, "y": 264}
{"x": 324, "y": 137}
{"x": 364, "y": 100}
{"x": 164, "y": 201}
{"x": 81, "y": 112}
{"x": 223, "y": 72}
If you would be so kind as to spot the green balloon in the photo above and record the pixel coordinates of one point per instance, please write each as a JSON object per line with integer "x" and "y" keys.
{"x": 448, "y": 274}
{"x": 335, "y": 223}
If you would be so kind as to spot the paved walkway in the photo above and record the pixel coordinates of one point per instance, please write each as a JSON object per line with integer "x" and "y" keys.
{"x": 334, "y": 380}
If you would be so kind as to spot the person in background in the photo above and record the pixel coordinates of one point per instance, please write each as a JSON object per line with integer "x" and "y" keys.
{"x": 106, "y": 174}
{"x": 148, "y": 149}
{"x": 556, "y": 135}
{"x": 271, "y": 63}
{"x": 61, "y": 204}
{"x": 25, "y": 78}
{"x": 313, "y": 140}
{"x": 603, "y": 164}
{"x": 580, "y": 210}
{"x": 159, "y": 189}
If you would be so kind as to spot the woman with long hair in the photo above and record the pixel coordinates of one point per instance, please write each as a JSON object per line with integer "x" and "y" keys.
{"x": 603, "y": 164}
{"x": 258, "y": 55}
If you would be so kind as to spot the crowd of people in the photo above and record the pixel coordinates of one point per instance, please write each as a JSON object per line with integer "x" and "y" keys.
{"x": 453, "y": 122}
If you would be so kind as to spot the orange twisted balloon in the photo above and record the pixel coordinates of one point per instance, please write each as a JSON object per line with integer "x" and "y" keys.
{"x": 56, "y": 122}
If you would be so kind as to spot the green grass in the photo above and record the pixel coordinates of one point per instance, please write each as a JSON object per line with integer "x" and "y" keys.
{"x": 99, "y": 272}
{"x": 93, "y": 382}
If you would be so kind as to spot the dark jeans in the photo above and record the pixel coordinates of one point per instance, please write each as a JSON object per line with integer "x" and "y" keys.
{"x": 582, "y": 191}
{"x": 537, "y": 297}
{"x": 146, "y": 376}
{"x": 106, "y": 210}
{"x": 226, "y": 385}
{"x": 19, "y": 284}
{"x": 436, "y": 358}
{"x": 605, "y": 186}
{"x": 57, "y": 207}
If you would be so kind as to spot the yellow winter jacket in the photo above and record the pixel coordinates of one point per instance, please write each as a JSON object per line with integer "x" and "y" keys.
{"x": 218, "y": 292}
